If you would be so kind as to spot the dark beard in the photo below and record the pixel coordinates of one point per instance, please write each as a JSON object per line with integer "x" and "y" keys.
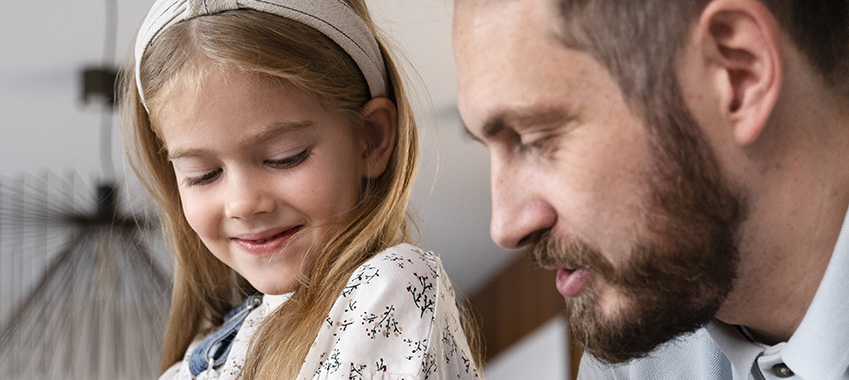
{"x": 674, "y": 278}
{"x": 664, "y": 298}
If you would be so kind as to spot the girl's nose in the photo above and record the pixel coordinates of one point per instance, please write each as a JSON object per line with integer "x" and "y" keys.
{"x": 246, "y": 199}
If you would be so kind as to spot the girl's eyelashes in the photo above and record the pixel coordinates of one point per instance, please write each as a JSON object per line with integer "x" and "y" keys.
{"x": 289, "y": 162}
{"x": 283, "y": 163}
{"x": 202, "y": 179}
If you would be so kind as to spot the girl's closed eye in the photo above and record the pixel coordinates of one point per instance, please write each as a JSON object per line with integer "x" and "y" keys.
{"x": 202, "y": 179}
{"x": 289, "y": 162}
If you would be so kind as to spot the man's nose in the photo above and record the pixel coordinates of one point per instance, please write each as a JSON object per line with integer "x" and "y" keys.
{"x": 519, "y": 212}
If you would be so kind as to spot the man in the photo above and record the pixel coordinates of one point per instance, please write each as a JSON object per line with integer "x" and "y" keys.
{"x": 683, "y": 165}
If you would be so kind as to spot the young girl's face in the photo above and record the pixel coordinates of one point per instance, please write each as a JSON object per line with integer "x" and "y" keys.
{"x": 262, "y": 170}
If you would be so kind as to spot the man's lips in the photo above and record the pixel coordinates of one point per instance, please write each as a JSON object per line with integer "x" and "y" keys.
{"x": 571, "y": 281}
{"x": 265, "y": 242}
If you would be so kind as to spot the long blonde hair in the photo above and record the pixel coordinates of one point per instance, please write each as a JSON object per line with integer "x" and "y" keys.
{"x": 204, "y": 288}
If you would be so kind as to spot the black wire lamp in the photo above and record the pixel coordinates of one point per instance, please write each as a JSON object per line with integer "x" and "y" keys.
{"x": 85, "y": 284}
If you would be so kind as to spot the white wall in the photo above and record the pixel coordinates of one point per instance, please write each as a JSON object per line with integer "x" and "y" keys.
{"x": 542, "y": 355}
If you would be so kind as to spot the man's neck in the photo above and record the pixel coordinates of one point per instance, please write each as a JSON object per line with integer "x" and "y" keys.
{"x": 798, "y": 194}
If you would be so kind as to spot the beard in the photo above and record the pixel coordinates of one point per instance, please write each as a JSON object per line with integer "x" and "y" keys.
{"x": 676, "y": 275}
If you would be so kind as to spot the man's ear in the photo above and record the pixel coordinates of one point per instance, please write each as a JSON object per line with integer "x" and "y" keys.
{"x": 380, "y": 128}
{"x": 738, "y": 41}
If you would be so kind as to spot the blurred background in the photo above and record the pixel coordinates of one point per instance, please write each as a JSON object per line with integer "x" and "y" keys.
{"x": 82, "y": 267}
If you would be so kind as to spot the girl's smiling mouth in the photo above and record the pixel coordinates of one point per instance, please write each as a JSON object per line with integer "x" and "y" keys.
{"x": 266, "y": 242}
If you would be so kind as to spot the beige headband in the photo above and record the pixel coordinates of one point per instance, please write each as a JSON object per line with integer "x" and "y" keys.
{"x": 333, "y": 18}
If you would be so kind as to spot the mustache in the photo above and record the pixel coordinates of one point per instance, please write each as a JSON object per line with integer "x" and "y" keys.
{"x": 549, "y": 251}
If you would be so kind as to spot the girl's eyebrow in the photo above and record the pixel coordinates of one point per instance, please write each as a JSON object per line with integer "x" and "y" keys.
{"x": 277, "y": 129}
{"x": 272, "y": 131}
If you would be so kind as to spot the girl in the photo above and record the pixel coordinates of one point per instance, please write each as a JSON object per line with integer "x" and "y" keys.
{"x": 278, "y": 141}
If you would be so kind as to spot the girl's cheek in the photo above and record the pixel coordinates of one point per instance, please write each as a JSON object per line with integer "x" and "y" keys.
{"x": 194, "y": 211}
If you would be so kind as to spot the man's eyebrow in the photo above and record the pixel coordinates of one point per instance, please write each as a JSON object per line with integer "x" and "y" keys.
{"x": 519, "y": 117}
{"x": 272, "y": 131}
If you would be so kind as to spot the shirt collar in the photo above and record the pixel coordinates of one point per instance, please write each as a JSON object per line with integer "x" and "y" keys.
{"x": 272, "y": 301}
{"x": 819, "y": 348}
{"x": 740, "y": 351}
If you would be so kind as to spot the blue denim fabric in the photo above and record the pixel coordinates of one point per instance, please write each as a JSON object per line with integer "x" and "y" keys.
{"x": 212, "y": 352}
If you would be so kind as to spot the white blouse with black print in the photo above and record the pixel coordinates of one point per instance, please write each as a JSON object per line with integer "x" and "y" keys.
{"x": 396, "y": 319}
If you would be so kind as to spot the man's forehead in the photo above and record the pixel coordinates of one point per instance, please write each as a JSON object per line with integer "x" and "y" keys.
{"x": 482, "y": 4}
{"x": 500, "y": 49}
{"x": 514, "y": 20}
{"x": 474, "y": 12}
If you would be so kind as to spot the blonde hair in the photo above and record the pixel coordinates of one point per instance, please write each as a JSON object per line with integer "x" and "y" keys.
{"x": 204, "y": 288}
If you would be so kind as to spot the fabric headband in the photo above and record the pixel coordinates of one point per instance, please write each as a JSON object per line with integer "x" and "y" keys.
{"x": 333, "y": 18}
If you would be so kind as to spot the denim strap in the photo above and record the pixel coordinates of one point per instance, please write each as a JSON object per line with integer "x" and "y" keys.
{"x": 212, "y": 352}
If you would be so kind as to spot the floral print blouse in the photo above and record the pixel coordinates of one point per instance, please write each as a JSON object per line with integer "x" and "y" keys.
{"x": 396, "y": 319}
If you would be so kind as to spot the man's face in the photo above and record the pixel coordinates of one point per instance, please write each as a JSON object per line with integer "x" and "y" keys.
{"x": 642, "y": 234}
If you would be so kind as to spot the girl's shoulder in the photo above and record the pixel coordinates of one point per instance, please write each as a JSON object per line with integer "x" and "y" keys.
{"x": 396, "y": 318}
{"x": 403, "y": 275}
{"x": 404, "y": 259}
